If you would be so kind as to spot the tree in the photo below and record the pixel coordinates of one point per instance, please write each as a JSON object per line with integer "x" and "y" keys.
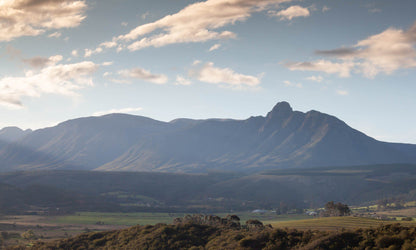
{"x": 336, "y": 209}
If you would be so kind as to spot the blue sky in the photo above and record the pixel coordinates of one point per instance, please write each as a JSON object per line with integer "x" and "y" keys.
{"x": 167, "y": 59}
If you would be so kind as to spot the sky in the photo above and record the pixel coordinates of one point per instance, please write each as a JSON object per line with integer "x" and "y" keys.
{"x": 167, "y": 59}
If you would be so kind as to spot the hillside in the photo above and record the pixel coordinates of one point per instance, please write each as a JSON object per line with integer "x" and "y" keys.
{"x": 282, "y": 139}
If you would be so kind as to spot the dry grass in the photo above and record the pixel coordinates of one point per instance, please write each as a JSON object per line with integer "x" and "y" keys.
{"x": 333, "y": 223}
{"x": 405, "y": 212}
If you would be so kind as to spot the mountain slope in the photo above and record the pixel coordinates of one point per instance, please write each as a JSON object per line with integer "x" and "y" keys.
{"x": 282, "y": 139}
{"x": 83, "y": 143}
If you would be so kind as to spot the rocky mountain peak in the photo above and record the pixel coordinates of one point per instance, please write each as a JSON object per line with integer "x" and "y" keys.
{"x": 280, "y": 110}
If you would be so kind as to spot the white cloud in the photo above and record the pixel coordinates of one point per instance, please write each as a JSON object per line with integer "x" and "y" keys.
{"x": 343, "y": 69}
{"x": 196, "y": 62}
{"x": 325, "y": 8}
{"x": 386, "y": 52}
{"x": 215, "y": 47}
{"x": 123, "y": 110}
{"x": 210, "y": 74}
{"x": 34, "y": 17}
{"x": 55, "y": 34}
{"x": 292, "y": 84}
{"x": 342, "y": 92}
{"x": 107, "y": 63}
{"x": 315, "y": 78}
{"x": 89, "y": 52}
{"x": 291, "y": 12}
{"x": 145, "y": 15}
{"x": 124, "y": 24}
{"x": 198, "y": 22}
{"x": 139, "y": 73}
{"x": 180, "y": 80}
{"x": 62, "y": 79}
{"x": 74, "y": 53}
{"x": 120, "y": 48}
{"x": 110, "y": 44}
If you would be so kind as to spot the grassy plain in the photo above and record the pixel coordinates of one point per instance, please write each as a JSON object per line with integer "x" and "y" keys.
{"x": 147, "y": 218}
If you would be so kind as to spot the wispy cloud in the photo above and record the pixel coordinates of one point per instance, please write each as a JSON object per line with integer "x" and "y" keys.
{"x": 39, "y": 62}
{"x": 386, "y": 52}
{"x": 343, "y": 69}
{"x": 210, "y": 74}
{"x": 110, "y": 44}
{"x": 143, "y": 74}
{"x": 61, "y": 79}
{"x": 180, "y": 80}
{"x": 342, "y": 92}
{"x": 315, "y": 78}
{"x": 215, "y": 47}
{"x": 291, "y": 12}
{"x": 145, "y": 15}
{"x": 34, "y": 17}
{"x": 122, "y": 110}
{"x": 55, "y": 35}
{"x": 292, "y": 84}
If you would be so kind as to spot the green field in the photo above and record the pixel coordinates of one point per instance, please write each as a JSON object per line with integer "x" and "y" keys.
{"x": 334, "y": 223}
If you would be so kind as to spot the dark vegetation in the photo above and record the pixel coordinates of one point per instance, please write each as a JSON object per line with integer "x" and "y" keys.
{"x": 211, "y": 232}
{"x": 336, "y": 209}
{"x": 280, "y": 190}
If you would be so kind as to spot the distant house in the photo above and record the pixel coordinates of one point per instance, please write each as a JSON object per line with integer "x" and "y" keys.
{"x": 259, "y": 211}
{"x": 311, "y": 213}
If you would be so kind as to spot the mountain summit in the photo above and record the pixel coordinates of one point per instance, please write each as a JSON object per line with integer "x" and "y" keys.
{"x": 281, "y": 109}
{"x": 282, "y": 139}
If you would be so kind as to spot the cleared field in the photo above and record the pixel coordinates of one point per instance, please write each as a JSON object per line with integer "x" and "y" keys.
{"x": 406, "y": 212}
{"x": 125, "y": 219}
{"x": 130, "y": 219}
{"x": 334, "y": 223}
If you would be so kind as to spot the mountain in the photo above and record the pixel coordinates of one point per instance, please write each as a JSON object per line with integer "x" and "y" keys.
{"x": 11, "y": 134}
{"x": 282, "y": 139}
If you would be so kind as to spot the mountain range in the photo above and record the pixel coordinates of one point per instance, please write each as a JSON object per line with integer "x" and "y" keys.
{"x": 119, "y": 142}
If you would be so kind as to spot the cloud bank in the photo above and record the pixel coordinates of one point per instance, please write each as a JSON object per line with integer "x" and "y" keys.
{"x": 210, "y": 74}
{"x": 291, "y": 12}
{"x": 198, "y": 22}
{"x": 386, "y": 52}
{"x": 142, "y": 74}
{"x": 33, "y": 17}
{"x": 61, "y": 79}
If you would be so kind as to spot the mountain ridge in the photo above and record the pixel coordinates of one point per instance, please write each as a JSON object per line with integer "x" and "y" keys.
{"x": 284, "y": 138}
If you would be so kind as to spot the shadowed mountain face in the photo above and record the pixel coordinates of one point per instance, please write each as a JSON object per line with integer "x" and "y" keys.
{"x": 283, "y": 139}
